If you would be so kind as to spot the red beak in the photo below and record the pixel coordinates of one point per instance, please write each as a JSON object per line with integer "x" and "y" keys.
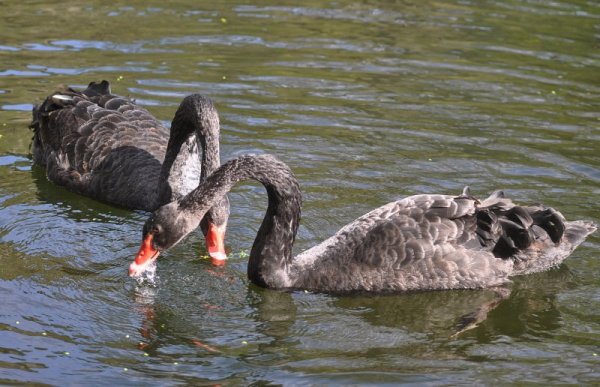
{"x": 215, "y": 243}
{"x": 144, "y": 257}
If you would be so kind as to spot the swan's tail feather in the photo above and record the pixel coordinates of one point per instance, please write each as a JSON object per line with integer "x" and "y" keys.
{"x": 547, "y": 254}
{"x": 578, "y": 230}
{"x": 497, "y": 200}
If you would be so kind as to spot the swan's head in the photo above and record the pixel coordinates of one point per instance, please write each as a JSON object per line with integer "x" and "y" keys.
{"x": 170, "y": 224}
{"x": 163, "y": 230}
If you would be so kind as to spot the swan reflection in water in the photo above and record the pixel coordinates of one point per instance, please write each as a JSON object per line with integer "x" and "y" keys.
{"x": 286, "y": 326}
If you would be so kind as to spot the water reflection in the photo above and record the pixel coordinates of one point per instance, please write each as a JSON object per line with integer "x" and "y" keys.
{"x": 77, "y": 207}
{"x": 153, "y": 317}
{"x": 275, "y": 312}
{"x": 434, "y": 313}
{"x": 532, "y": 311}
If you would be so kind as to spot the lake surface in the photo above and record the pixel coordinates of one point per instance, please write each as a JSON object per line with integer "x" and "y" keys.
{"x": 367, "y": 102}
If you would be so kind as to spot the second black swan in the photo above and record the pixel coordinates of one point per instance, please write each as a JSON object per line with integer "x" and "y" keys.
{"x": 422, "y": 242}
{"x": 109, "y": 148}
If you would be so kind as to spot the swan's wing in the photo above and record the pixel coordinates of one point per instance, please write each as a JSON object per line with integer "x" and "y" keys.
{"x": 85, "y": 125}
{"x": 417, "y": 243}
{"x": 428, "y": 242}
{"x": 97, "y": 143}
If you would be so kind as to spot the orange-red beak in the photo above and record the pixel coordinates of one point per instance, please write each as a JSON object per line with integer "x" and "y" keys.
{"x": 215, "y": 243}
{"x": 144, "y": 257}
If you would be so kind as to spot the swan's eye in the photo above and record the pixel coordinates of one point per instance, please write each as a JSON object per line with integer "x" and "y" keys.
{"x": 155, "y": 230}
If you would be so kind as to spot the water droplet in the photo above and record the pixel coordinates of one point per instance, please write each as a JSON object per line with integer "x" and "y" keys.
{"x": 149, "y": 276}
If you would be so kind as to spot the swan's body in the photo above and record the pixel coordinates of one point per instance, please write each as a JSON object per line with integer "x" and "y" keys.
{"x": 422, "y": 242}
{"x": 107, "y": 147}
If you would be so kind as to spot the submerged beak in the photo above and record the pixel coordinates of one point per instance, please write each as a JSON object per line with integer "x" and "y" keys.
{"x": 215, "y": 243}
{"x": 144, "y": 257}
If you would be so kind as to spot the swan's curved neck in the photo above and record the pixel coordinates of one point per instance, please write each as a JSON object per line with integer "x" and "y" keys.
{"x": 196, "y": 122}
{"x": 271, "y": 254}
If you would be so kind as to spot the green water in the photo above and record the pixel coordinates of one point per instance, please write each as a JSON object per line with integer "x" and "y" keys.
{"x": 367, "y": 102}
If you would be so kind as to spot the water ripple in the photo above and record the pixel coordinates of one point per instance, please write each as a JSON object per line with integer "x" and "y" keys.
{"x": 367, "y": 103}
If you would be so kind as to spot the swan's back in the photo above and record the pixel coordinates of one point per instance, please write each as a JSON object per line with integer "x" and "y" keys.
{"x": 100, "y": 145}
{"x": 427, "y": 242}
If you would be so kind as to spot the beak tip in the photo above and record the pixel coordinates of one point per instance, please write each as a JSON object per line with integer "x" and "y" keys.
{"x": 146, "y": 255}
{"x": 133, "y": 272}
{"x": 218, "y": 258}
{"x": 137, "y": 269}
{"x": 215, "y": 238}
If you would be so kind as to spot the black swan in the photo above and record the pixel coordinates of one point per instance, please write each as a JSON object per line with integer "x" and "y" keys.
{"x": 421, "y": 242}
{"x": 104, "y": 146}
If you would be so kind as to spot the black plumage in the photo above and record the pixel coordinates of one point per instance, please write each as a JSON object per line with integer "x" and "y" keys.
{"x": 109, "y": 148}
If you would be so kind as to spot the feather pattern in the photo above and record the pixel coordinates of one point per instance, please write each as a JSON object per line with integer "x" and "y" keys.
{"x": 422, "y": 242}
{"x": 109, "y": 148}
